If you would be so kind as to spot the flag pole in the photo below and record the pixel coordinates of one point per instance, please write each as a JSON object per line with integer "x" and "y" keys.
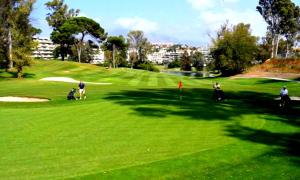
{"x": 180, "y": 88}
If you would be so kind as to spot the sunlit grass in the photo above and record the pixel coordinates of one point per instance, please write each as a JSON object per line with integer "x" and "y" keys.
{"x": 137, "y": 128}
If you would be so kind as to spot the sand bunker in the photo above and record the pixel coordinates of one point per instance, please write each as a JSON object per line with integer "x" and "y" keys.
{"x": 22, "y": 99}
{"x": 69, "y": 80}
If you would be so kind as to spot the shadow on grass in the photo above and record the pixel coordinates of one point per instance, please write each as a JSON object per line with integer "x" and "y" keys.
{"x": 297, "y": 79}
{"x": 271, "y": 81}
{"x": 8, "y": 75}
{"x": 197, "y": 104}
{"x": 283, "y": 144}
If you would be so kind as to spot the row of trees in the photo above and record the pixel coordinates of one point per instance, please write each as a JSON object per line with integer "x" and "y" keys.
{"x": 69, "y": 30}
{"x": 76, "y": 37}
{"x": 187, "y": 61}
{"x": 235, "y": 49}
{"x": 72, "y": 32}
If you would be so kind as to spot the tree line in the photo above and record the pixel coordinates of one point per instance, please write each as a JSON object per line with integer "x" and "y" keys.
{"x": 234, "y": 48}
{"x": 80, "y": 34}
{"x": 76, "y": 37}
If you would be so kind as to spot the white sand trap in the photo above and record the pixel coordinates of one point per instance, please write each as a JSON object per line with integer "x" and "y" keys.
{"x": 292, "y": 98}
{"x": 21, "y": 99}
{"x": 69, "y": 80}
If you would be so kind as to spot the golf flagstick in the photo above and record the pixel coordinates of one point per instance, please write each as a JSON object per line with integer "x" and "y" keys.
{"x": 180, "y": 86}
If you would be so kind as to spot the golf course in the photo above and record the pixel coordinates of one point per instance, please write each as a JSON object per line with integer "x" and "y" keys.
{"x": 134, "y": 125}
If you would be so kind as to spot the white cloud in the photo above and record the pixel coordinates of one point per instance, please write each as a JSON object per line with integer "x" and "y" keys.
{"x": 137, "y": 23}
{"x": 207, "y": 4}
{"x": 214, "y": 13}
{"x": 213, "y": 20}
{"x": 231, "y": 1}
{"x": 201, "y": 4}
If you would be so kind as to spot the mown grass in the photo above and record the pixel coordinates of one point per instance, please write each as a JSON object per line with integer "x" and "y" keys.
{"x": 137, "y": 128}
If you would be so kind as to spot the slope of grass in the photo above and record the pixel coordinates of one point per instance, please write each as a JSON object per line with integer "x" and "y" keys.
{"x": 137, "y": 128}
{"x": 278, "y": 66}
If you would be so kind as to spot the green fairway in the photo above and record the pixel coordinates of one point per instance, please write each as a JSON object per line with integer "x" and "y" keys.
{"x": 137, "y": 128}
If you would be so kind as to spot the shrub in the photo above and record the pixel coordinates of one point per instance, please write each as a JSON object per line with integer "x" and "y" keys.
{"x": 174, "y": 64}
{"x": 149, "y": 67}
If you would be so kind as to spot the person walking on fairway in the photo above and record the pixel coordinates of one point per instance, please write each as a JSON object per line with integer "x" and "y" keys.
{"x": 218, "y": 92}
{"x": 81, "y": 90}
{"x": 284, "y": 97}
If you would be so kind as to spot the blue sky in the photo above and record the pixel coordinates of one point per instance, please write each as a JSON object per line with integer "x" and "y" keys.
{"x": 166, "y": 21}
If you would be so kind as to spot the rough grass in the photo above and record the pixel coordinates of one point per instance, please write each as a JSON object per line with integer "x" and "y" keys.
{"x": 137, "y": 128}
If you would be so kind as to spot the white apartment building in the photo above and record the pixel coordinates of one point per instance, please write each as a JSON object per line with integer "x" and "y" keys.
{"x": 163, "y": 56}
{"x": 98, "y": 57}
{"x": 173, "y": 55}
{"x": 157, "y": 57}
{"x": 45, "y": 48}
{"x": 205, "y": 50}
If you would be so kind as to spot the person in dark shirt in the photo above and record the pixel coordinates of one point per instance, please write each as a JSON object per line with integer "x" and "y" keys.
{"x": 81, "y": 90}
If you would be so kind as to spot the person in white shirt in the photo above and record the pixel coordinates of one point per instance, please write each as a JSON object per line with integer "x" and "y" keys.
{"x": 218, "y": 93}
{"x": 284, "y": 92}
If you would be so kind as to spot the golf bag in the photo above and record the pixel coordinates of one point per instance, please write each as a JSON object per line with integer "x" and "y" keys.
{"x": 71, "y": 95}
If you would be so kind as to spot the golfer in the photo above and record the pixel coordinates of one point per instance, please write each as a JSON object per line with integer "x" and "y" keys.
{"x": 81, "y": 90}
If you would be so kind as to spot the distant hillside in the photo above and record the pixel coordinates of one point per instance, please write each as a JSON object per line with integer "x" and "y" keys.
{"x": 278, "y": 66}
{"x": 274, "y": 68}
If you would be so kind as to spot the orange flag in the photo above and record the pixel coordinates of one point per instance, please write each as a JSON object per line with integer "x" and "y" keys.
{"x": 180, "y": 85}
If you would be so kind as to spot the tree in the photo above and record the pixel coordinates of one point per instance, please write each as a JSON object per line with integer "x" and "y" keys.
{"x": 116, "y": 45}
{"x": 290, "y": 26}
{"x": 186, "y": 62}
{"x": 174, "y": 64}
{"x": 140, "y": 45}
{"x": 7, "y": 23}
{"x": 3, "y": 35}
{"x": 280, "y": 17}
{"x": 59, "y": 14}
{"x": 133, "y": 58}
{"x": 88, "y": 51}
{"x": 234, "y": 50}
{"x": 17, "y": 32}
{"x": 81, "y": 27}
{"x": 65, "y": 41}
{"x": 264, "y": 49}
{"x": 197, "y": 59}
